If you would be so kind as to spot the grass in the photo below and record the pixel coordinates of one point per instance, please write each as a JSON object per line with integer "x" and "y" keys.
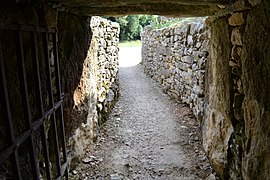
{"x": 137, "y": 43}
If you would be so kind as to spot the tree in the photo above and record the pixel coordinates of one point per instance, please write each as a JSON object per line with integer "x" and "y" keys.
{"x": 132, "y": 25}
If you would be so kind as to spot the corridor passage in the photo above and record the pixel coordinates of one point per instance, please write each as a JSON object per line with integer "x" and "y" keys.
{"x": 148, "y": 135}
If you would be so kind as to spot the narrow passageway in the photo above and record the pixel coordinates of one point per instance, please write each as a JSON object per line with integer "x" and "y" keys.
{"x": 148, "y": 135}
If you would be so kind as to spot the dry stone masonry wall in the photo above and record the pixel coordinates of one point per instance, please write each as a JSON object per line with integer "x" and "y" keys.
{"x": 98, "y": 88}
{"x": 106, "y": 33}
{"x": 236, "y": 123}
{"x": 175, "y": 57}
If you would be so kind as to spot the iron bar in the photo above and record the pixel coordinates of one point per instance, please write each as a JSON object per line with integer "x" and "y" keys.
{"x": 51, "y": 102}
{"x": 40, "y": 106}
{"x": 8, "y": 120}
{"x": 26, "y": 107}
{"x": 54, "y": 112}
{"x": 59, "y": 96}
{"x": 25, "y": 135}
{"x": 46, "y": 115}
{"x": 64, "y": 168}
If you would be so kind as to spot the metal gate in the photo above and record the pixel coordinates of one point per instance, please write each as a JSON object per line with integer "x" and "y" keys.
{"x": 40, "y": 145}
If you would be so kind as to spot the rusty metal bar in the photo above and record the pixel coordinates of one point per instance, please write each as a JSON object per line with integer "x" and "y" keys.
{"x": 59, "y": 97}
{"x": 25, "y": 135}
{"x": 46, "y": 115}
{"x": 64, "y": 168}
{"x": 51, "y": 102}
{"x": 8, "y": 120}
{"x": 54, "y": 111}
{"x": 40, "y": 105}
{"x": 26, "y": 107}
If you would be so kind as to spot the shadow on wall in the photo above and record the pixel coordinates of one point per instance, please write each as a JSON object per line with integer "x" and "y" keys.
{"x": 89, "y": 54}
{"x": 74, "y": 41}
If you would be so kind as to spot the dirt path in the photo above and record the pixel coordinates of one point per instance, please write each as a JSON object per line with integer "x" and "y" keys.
{"x": 148, "y": 135}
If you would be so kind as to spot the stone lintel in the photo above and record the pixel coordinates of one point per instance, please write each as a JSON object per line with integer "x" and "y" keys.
{"x": 166, "y": 9}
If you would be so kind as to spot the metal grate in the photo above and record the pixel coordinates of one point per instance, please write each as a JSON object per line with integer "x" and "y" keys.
{"x": 51, "y": 161}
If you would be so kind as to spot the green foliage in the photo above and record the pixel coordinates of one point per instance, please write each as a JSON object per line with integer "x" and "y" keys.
{"x": 132, "y": 25}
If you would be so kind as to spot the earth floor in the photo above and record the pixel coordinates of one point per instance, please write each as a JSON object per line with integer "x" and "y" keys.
{"x": 147, "y": 136}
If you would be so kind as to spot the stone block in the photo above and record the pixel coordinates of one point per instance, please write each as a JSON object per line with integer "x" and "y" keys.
{"x": 236, "y": 19}
{"x": 187, "y": 59}
{"x": 254, "y": 2}
{"x": 236, "y": 52}
{"x": 236, "y": 37}
{"x": 190, "y": 40}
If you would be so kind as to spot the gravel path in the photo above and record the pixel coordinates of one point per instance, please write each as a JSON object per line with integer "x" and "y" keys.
{"x": 148, "y": 135}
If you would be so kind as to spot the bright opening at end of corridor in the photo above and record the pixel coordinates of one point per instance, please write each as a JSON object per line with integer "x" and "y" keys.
{"x": 130, "y": 54}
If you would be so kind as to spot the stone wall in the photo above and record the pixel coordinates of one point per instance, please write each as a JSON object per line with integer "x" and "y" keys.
{"x": 97, "y": 90}
{"x": 236, "y": 112}
{"x": 106, "y": 34}
{"x": 217, "y": 127}
{"x": 175, "y": 58}
{"x": 236, "y": 123}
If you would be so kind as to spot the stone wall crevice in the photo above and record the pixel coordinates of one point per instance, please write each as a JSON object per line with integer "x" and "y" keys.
{"x": 217, "y": 127}
{"x": 238, "y": 43}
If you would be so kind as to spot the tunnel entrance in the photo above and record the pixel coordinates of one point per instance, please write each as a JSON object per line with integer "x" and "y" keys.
{"x": 235, "y": 127}
{"x": 33, "y": 139}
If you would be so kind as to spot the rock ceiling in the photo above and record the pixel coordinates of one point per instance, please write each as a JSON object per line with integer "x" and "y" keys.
{"x": 182, "y": 8}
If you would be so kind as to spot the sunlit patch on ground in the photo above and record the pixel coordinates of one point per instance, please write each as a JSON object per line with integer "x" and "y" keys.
{"x": 129, "y": 56}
